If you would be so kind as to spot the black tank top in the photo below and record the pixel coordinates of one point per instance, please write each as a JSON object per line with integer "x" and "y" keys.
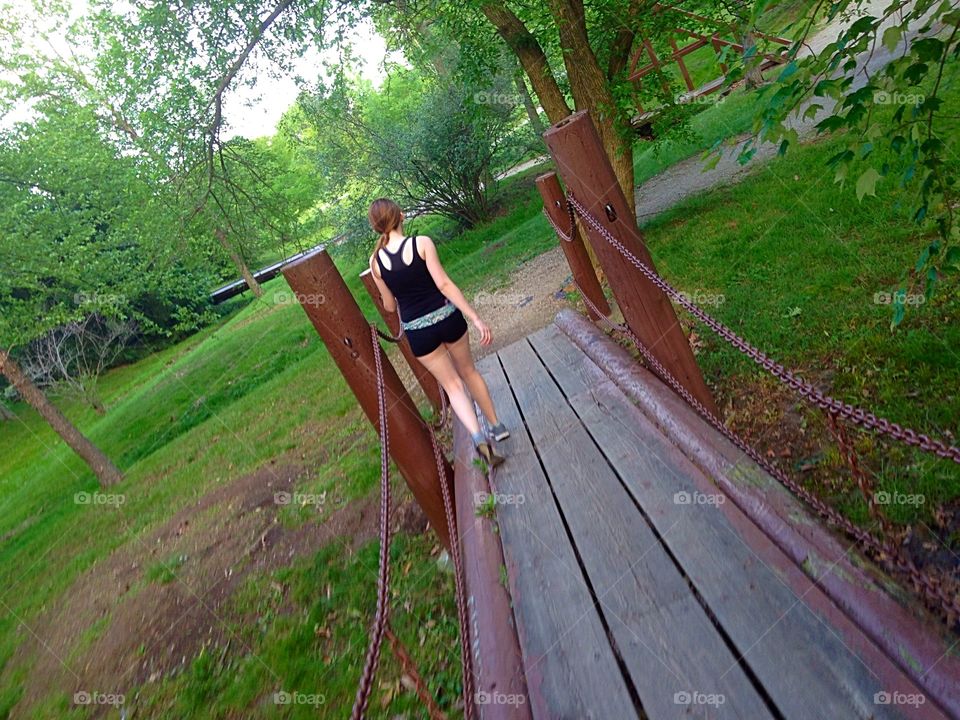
{"x": 412, "y": 285}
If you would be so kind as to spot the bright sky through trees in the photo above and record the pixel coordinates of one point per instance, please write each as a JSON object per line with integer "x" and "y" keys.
{"x": 254, "y": 111}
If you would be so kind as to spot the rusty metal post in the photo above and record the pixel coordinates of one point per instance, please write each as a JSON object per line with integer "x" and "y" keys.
{"x": 588, "y": 176}
{"x": 336, "y": 316}
{"x": 554, "y": 202}
{"x": 431, "y": 388}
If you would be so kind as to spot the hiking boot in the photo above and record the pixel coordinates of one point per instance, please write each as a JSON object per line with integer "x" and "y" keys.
{"x": 499, "y": 432}
{"x": 489, "y": 454}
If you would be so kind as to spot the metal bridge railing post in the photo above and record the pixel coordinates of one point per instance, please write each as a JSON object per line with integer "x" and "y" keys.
{"x": 584, "y": 276}
{"x": 588, "y": 176}
{"x": 337, "y": 318}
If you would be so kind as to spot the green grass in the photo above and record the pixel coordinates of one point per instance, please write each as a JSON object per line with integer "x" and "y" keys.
{"x": 255, "y": 388}
{"x": 782, "y": 18}
{"x": 318, "y": 651}
{"x": 798, "y": 262}
{"x": 723, "y": 118}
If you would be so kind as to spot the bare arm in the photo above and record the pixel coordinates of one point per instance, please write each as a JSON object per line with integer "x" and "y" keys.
{"x": 445, "y": 285}
{"x": 389, "y": 301}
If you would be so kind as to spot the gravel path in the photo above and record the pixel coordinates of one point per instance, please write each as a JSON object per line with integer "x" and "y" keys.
{"x": 535, "y": 292}
{"x": 687, "y": 178}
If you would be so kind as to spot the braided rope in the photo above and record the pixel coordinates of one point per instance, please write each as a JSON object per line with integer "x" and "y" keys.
{"x": 466, "y": 659}
{"x": 383, "y": 575}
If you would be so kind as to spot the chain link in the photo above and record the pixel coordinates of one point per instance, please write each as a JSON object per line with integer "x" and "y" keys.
{"x": 856, "y": 415}
{"x": 929, "y": 588}
{"x": 381, "y": 618}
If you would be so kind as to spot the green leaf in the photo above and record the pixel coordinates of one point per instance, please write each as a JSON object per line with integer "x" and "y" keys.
{"x": 891, "y": 37}
{"x": 928, "y": 49}
{"x": 711, "y": 162}
{"x": 951, "y": 259}
{"x": 811, "y": 111}
{"x": 932, "y": 278}
{"x": 867, "y": 183}
{"x": 898, "y": 310}
{"x": 833, "y": 122}
{"x": 841, "y": 157}
{"x": 789, "y": 69}
{"x": 915, "y": 73}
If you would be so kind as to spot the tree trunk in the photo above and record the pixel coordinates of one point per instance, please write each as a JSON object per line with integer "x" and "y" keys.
{"x": 751, "y": 65}
{"x": 238, "y": 261}
{"x": 106, "y": 472}
{"x": 535, "y": 122}
{"x": 591, "y": 91}
{"x": 532, "y": 58}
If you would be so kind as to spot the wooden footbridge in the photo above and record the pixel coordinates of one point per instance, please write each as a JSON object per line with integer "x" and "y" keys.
{"x": 642, "y": 585}
{"x": 633, "y": 558}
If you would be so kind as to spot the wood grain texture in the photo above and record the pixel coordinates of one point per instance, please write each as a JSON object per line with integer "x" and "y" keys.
{"x": 761, "y": 599}
{"x": 880, "y": 609}
{"x": 500, "y": 688}
{"x": 668, "y": 643}
{"x": 569, "y": 664}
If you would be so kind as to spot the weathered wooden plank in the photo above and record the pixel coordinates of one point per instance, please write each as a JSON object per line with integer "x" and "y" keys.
{"x": 766, "y": 605}
{"x": 887, "y": 621}
{"x": 677, "y": 660}
{"x": 568, "y": 661}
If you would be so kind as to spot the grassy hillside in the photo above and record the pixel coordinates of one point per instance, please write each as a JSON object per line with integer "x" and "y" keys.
{"x": 196, "y": 592}
{"x": 207, "y": 431}
{"x": 804, "y": 271}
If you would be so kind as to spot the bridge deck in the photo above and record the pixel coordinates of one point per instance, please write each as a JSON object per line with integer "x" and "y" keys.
{"x": 638, "y": 588}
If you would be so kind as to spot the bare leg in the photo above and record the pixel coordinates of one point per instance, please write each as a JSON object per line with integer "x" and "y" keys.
{"x": 441, "y": 366}
{"x": 463, "y": 361}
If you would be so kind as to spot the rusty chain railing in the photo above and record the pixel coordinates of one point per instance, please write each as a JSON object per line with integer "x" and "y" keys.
{"x": 381, "y": 618}
{"x": 929, "y": 588}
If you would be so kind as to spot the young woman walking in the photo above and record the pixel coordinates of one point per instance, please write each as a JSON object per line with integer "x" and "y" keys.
{"x": 408, "y": 273}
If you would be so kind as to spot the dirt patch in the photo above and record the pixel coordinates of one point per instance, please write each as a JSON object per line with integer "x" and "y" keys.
{"x": 147, "y": 610}
{"x": 530, "y": 300}
{"x": 768, "y": 415}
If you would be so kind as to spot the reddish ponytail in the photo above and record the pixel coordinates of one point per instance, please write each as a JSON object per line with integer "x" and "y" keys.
{"x": 384, "y": 216}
